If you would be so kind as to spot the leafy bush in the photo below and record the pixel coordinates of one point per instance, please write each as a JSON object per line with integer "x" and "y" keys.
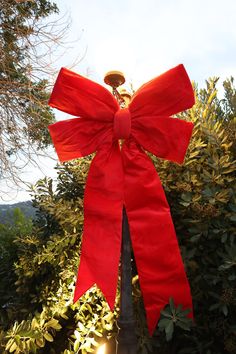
{"x": 201, "y": 194}
{"x": 20, "y": 226}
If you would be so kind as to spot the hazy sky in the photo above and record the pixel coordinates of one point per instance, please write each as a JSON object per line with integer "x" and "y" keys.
{"x": 145, "y": 38}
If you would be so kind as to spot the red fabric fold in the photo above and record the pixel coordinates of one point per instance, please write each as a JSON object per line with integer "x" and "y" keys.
{"x": 127, "y": 178}
{"x": 167, "y": 94}
{"x": 103, "y": 202}
{"x": 78, "y": 137}
{"x": 164, "y": 137}
{"x": 78, "y": 96}
{"x": 155, "y": 246}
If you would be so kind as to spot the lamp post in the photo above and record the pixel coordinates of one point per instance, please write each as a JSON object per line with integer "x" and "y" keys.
{"x": 126, "y": 339}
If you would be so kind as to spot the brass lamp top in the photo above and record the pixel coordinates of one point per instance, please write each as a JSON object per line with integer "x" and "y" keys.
{"x": 114, "y": 78}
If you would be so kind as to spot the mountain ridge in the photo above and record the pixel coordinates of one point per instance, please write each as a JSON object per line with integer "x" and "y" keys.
{"x": 6, "y": 211}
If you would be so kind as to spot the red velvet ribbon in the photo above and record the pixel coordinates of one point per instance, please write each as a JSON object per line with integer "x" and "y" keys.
{"x": 125, "y": 176}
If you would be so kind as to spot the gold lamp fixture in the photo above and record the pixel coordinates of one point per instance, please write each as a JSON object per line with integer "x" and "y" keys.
{"x": 115, "y": 79}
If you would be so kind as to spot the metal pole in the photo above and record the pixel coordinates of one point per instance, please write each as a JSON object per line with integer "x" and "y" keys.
{"x": 126, "y": 339}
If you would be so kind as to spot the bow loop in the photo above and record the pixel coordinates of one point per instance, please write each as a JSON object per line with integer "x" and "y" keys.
{"x": 165, "y": 137}
{"x": 167, "y": 94}
{"x": 85, "y": 137}
{"x": 81, "y": 97}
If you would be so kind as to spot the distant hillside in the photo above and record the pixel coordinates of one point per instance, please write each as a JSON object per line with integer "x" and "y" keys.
{"x": 7, "y": 209}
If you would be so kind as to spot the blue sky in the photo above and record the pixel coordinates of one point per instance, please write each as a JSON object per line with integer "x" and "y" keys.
{"x": 145, "y": 38}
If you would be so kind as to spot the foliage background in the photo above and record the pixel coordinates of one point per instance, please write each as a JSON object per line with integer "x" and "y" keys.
{"x": 31, "y": 35}
{"x": 39, "y": 260}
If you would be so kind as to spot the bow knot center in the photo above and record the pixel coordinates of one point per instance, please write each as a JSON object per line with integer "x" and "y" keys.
{"x": 122, "y": 124}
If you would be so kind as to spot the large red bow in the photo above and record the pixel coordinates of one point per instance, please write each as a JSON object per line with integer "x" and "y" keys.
{"x": 127, "y": 177}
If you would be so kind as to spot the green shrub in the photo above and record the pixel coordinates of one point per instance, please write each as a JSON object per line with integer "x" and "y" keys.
{"x": 201, "y": 195}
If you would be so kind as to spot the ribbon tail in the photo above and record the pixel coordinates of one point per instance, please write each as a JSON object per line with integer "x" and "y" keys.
{"x": 157, "y": 255}
{"x": 101, "y": 241}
